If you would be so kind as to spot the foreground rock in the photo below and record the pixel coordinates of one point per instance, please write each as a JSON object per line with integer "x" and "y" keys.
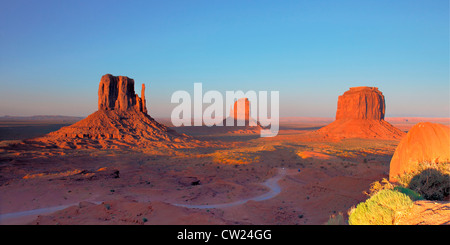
{"x": 427, "y": 213}
{"x": 360, "y": 114}
{"x": 425, "y": 142}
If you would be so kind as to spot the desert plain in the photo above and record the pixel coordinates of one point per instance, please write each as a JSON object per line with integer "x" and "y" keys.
{"x": 234, "y": 178}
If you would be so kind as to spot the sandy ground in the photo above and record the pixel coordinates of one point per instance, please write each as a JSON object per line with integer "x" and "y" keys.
{"x": 288, "y": 179}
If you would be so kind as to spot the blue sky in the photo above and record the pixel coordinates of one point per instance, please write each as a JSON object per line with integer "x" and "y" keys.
{"x": 53, "y": 53}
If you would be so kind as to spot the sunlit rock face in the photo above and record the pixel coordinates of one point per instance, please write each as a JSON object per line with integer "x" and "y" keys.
{"x": 425, "y": 142}
{"x": 117, "y": 93}
{"x": 360, "y": 114}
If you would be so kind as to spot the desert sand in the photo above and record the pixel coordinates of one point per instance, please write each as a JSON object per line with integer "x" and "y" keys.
{"x": 161, "y": 178}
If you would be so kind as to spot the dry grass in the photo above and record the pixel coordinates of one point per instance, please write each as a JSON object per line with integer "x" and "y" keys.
{"x": 242, "y": 155}
{"x": 337, "y": 219}
{"x": 52, "y": 175}
{"x": 377, "y": 186}
{"x": 431, "y": 180}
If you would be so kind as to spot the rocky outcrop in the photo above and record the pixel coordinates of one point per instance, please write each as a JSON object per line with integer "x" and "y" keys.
{"x": 143, "y": 102}
{"x": 361, "y": 103}
{"x": 240, "y": 116}
{"x": 425, "y": 142}
{"x": 241, "y": 109}
{"x": 360, "y": 114}
{"x": 121, "y": 121}
{"x": 117, "y": 93}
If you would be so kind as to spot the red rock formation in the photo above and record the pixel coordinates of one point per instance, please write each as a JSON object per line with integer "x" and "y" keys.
{"x": 117, "y": 93}
{"x": 241, "y": 110}
{"x": 426, "y": 141}
{"x": 361, "y": 103}
{"x": 121, "y": 120}
{"x": 240, "y": 114}
{"x": 360, "y": 114}
{"x": 143, "y": 102}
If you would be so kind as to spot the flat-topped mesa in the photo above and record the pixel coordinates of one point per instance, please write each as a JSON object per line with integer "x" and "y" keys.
{"x": 360, "y": 114}
{"x": 361, "y": 103}
{"x": 117, "y": 93}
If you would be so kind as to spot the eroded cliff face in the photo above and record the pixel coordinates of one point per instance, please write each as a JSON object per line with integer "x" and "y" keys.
{"x": 360, "y": 114}
{"x": 117, "y": 93}
{"x": 361, "y": 103}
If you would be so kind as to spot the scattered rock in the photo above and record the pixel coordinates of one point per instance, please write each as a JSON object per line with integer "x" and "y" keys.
{"x": 189, "y": 181}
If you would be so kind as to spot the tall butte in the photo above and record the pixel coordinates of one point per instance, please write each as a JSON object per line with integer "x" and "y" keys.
{"x": 240, "y": 115}
{"x": 121, "y": 120}
{"x": 360, "y": 114}
{"x": 117, "y": 93}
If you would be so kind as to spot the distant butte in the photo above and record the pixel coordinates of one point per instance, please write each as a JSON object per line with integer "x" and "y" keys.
{"x": 360, "y": 114}
{"x": 240, "y": 116}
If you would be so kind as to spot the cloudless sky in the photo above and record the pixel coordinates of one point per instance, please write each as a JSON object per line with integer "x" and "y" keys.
{"x": 53, "y": 53}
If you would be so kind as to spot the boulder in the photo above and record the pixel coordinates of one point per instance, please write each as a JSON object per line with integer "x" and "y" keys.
{"x": 425, "y": 142}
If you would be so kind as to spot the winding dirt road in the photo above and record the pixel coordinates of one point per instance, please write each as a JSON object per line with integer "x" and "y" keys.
{"x": 271, "y": 183}
{"x": 29, "y": 215}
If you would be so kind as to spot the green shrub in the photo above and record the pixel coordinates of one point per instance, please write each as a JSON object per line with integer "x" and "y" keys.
{"x": 412, "y": 194}
{"x": 380, "y": 209}
{"x": 373, "y": 215}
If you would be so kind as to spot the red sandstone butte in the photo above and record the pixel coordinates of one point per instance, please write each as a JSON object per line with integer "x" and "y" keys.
{"x": 240, "y": 114}
{"x": 121, "y": 120}
{"x": 241, "y": 110}
{"x": 361, "y": 103}
{"x": 360, "y": 114}
{"x": 117, "y": 93}
{"x": 425, "y": 142}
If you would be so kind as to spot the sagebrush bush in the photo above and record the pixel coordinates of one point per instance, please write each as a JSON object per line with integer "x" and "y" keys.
{"x": 377, "y": 186}
{"x": 412, "y": 194}
{"x": 431, "y": 184}
{"x": 380, "y": 209}
{"x": 431, "y": 180}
